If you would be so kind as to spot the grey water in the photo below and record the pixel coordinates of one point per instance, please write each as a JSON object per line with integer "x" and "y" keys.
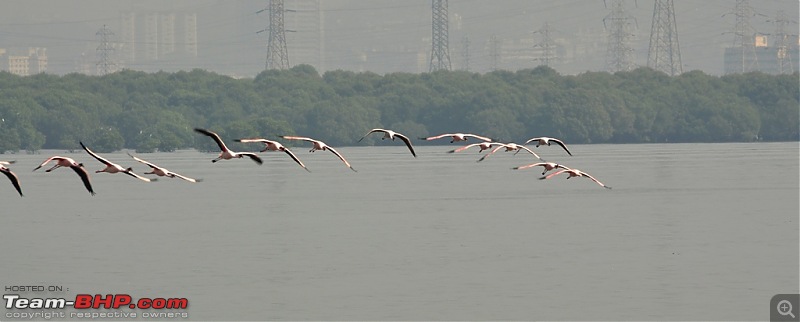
{"x": 688, "y": 232}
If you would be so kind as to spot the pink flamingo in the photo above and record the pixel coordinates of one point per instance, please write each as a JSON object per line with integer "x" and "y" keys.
{"x": 270, "y": 145}
{"x": 389, "y": 134}
{"x": 574, "y": 173}
{"x": 458, "y": 137}
{"x": 226, "y": 153}
{"x": 68, "y": 162}
{"x": 546, "y": 140}
{"x": 546, "y": 165}
{"x": 113, "y": 167}
{"x": 319, "y": 145}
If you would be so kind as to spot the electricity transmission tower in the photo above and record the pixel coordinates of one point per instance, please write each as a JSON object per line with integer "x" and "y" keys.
{"x": 105, "y": 65}
{"x": 465, "y": 53}
{"x": 665, "y": 53}
{"x": 782, "y": 43}
{"x": 277, "y": 53}
{"x": 440, "y": 54}
{"x": 744, "y": 39}
{"x": 547, "y": 44}
{"x": 619, "y": 54}
{"x": 494, "y": 52}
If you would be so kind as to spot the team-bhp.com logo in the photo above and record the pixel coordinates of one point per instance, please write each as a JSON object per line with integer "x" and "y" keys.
{"x": 97, "y": 301}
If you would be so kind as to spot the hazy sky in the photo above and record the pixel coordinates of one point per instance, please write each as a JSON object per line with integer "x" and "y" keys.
{"x": 382, "y": 35}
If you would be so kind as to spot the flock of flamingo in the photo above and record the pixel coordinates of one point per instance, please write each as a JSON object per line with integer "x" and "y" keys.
{"x": 269, "y": 145}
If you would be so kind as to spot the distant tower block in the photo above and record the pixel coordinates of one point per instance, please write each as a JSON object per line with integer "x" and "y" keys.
{"x": 104, "y": 51}
{"x": 128, "y": 37}
{"x": 619, "y": 54}
{"x": 151, "y": 36}
{"x": 665, "y": 53}
{"x": 305, "y": 32}
{"x": 440, "y": 53}
{"x": 166, "y": 37}
{"x": 190, "y": 34}
{"x": 277, "y": 53}
{"x": 465, "y": 53}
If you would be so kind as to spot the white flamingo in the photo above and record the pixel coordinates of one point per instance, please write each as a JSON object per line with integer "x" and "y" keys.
{"x": 547, "y": 140}
{"x": 389, "y": 134}
{"x": 112, "y": 167}
{"x": 163, "y": 172}
{"x": 574, "y": 173}
{"x": 319, "y": 145}
{"x": 11, "y": 175}
{"x": 68, "y": 162}
{"x": 546, "y": 165}
{"x": 458, "y": 137}
{"x": 226, "y": 153}
{"x": 483, "y": 147}
{"x": 270, "y": 145}
{"x": 509, "y": 147}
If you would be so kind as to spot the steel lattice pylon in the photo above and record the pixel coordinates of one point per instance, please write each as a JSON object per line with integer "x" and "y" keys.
{"x": 547, "y": 44}
{"x": 782, "y": 44}
{"x": 744, "y": 38}
{"x": 440, "y": 53}
{"x": 665, "y": 52}
{"x": 277, "y": 53}
{"x": 104, "y": 51}
{"x": 619, "y": 54}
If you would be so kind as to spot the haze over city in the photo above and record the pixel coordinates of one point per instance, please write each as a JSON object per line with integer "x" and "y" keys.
{"x": 380, "y": 36}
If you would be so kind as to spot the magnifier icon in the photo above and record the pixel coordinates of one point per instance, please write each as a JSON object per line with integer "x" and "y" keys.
{"x": 785, "y": 308}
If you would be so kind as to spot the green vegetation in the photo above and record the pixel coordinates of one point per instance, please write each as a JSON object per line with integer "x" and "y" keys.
{"x": 149, "y": 112}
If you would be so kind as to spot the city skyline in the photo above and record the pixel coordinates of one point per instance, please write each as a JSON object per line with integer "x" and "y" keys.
{"x": 384, "y": 36}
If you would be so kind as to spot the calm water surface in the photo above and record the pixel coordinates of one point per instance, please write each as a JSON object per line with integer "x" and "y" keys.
{"x": 689, "y": 232}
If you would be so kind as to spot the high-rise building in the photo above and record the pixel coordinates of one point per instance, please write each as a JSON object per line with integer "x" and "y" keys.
{"x": 24, "y": 62}
{"x": 153, "y": 37}
{"x": 305, "y": 41}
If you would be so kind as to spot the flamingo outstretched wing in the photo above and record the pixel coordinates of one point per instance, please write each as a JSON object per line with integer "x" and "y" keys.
{"x": 94, "y": 155}
{"x": 214, "y": 136}
{"x": 13, "y": 178}
{"x": 341, "y": 158}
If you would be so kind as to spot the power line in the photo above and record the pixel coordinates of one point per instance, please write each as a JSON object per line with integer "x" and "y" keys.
{"x": 547, "y": 45}
{"x": 104, "y": 51}
{"x": 783, "y": 42}
{"x": 277, "y": 52}
{"x": 494, "y": 52}
{"x": 440, "y": 53}
{"x": 665, "y": 52}
{"x": 619, "y": 54}
{"x": 744, "y": 39}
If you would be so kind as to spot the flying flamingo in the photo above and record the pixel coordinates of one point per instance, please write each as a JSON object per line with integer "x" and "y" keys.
{"x": 389, "y": 134}
{"x": 162, "y": 172}
{"x": 546, "y": 165}
{"x": 574, "y": 173}
{"x": 113, "y": 167}
{"x": 319, "y": 145}
{"x": 546, "y": 140}
{"x": 509, "y": 147}
{"x": 270, "y": 145}
{"x": 457, "y": 137}
{"x": 68, "y": 162}
{"x": 483, "y": 146}
{"x": 227, "y": 154}
{"x": 11, "y": 175}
